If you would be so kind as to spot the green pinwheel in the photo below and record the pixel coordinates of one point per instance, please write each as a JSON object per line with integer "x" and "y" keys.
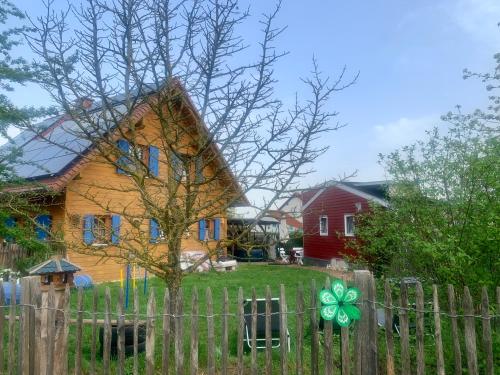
{"x": 338, "y": 303}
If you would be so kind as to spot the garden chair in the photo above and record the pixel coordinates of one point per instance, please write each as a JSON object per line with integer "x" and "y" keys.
{"x": 284, "y": 257}
{"x": 261, "y": 324}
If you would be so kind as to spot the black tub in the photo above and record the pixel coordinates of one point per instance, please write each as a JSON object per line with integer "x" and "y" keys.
{"x": 129, "y": 339}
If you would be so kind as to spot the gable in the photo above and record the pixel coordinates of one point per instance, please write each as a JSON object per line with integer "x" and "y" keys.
{"x": 372, "y": 192}
{"x": 57, "y": 155}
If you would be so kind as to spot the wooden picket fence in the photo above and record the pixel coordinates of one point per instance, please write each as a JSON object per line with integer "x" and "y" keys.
{"x": 10, "y": 254}
{"x": 48, "y": 333}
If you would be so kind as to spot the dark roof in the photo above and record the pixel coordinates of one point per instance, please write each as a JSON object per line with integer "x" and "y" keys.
{"x": 376, "y": 188}
{"x": 54, "y": 144}
{"x": 54, "y": 266}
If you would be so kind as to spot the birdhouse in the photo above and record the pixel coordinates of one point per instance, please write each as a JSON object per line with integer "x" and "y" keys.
{"x": 56, "y": 271}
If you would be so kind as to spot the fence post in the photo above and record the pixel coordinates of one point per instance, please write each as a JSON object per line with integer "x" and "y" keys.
{"x": 62, "y": 318}
{"x": 365, "y": 333}
{"x": 24, "y": 329}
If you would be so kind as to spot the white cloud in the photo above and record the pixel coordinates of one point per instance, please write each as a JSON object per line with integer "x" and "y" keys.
{"x": 404, "y": 131}
{"x": 478, "y": 18}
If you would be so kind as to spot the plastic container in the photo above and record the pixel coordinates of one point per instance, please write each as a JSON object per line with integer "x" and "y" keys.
{"x": 83, "y": 281}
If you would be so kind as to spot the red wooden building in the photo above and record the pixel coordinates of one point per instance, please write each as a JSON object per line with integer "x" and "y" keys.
{"x": 328, "y": 216}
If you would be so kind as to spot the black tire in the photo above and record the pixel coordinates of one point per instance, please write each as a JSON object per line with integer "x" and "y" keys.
{"x": 129, "y": 338}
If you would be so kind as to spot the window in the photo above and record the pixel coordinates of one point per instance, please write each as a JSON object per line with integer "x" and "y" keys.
{"x": 142, "y": 154}
{"x": 209, "y": 229}
{"x": 323, "y": 225}
{"x": 101, "y": 229}
{"x": 43, "y": 226}
{"x": 349, "y": 225}
{"x": 179, "y": 172}
{"x": 156, "y": 233}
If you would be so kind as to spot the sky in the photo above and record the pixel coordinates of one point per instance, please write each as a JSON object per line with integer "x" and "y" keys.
{"x": 410, "y": 56}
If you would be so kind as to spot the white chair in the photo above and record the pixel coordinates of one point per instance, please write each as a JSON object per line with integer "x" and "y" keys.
{"x": 299, "y": 255}
{"x": 285, "y": 258}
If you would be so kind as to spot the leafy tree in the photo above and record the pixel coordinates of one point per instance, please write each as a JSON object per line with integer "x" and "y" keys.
{"x": 443, "y": 220}
{"x": 16, "y": 70}
{"x": 148, "y": 52}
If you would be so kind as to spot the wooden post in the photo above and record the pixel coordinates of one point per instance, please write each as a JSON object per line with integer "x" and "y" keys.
{"x": 437, "y": 331}
{"x": 79, "y": 333}
{"x": 253, "y": 339}
{"x": 299, "y": 354}
{"x": 365, "y": 338}
{"x": 11, "y": 368}
{"x": 328, "y": 343}
{"x": 420, "y": 329}
{"x": 241, "y": 328}
{"x": 50, "y": 330}
{"x": 470, "y": 333}
{"x": 62, "y": 319}
{"x": 34, "y": 330}
{"x": 24, "y": 327}
{"x": 165, "y": 350}
{"x": 404, "y": 331}
{"x": 457, "y": 355}
{"x": 487, "y": 340}
{"x": 283, "y": 332}
{"x": 2, "y": 327}
{"x": 314, "y": 330}
{"x": 373, "y": 346}
{"x": 225, "y": 331}
{"x": 210, "y": 333}
{"x": 136, "y": 333}
{"x": 95, "y": 298}
{"x": 179, "y": 335}
{"x": 150, "y": 333}
{"x": 107, "y": 332}
{"x": 269, "y": 342}
{"x": 389, "y": 338}
{"x": 120, "y": 333}
{"x": 194, "y": 332}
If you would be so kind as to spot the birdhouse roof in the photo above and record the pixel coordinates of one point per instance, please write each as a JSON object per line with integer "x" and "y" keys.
{"x": 53, "y": 266}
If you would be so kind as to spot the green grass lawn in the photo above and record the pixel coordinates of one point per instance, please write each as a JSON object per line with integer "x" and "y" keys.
{"x": 247, "y": 276}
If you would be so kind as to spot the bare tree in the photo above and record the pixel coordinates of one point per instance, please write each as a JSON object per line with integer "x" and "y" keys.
{"x": 131, "y": 55}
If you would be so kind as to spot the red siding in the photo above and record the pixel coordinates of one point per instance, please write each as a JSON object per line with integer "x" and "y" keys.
{"x": 333, "y": 203}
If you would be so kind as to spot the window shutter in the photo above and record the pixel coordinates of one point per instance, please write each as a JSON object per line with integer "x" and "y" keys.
{"x": 124, "y": 147}
{"x": 217, "y": 229}
{"x": 201, "y": 229}
{"x": 115, "y": 229}
{"x": 88, "y": 235}
{"x": 44, "y": 223}
{"x": 154, "y": 230}
{"x": 153, "y": 160}
{"x": 10, "y": 222}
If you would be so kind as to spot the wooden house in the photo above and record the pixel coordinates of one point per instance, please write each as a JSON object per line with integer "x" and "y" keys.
{"x": 328, "y": 214}
{"x": 69, "y": 167}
